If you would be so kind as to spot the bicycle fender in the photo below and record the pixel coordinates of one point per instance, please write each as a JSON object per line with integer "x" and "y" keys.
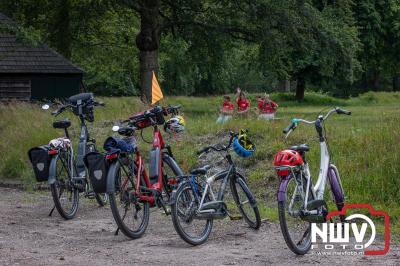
{"x": 52, "y": 170}
{"x": 253, "y": 202}
{"x": 281, "y": 195}
{"x": 175, "y": 167}
{"x": 172, "y": 199}
{"x": 112, "y": 171}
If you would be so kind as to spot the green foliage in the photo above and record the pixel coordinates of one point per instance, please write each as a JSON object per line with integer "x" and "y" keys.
{"x": 210, "y": 47}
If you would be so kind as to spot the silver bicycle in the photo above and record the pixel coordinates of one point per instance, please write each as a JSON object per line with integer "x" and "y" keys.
{"x": 195, "y": 205}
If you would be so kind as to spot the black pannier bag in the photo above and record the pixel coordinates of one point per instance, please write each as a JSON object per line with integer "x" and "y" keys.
{"x": 40, "y": 159}
{"x": 98, "y": 170}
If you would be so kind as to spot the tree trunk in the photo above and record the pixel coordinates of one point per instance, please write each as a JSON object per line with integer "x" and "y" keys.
{"x": 148, "y": 42}
{"x": 375, "y": 80}
{"x": 60, "y": 29}
{"x": 300, "y": 88}
{"x": 396, "y": 83}
{"x": 287, "y": 85}
{"x": 148, "y": 63}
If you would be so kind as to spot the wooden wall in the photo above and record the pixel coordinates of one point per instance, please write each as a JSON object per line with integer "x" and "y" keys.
{"x": 13, "y": 88}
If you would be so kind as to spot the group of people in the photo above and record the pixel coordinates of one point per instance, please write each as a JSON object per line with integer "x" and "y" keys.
{"x": 266, "y": 108}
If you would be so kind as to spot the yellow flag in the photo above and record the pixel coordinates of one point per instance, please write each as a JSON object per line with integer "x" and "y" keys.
{"x": 156, "y": 93}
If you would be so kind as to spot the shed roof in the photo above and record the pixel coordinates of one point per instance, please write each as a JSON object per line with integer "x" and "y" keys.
{"x": 18, "y": 57}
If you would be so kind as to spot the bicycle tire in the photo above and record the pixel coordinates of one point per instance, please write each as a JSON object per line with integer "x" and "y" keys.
{"x": 255, "y": 224}
{"x": 183, "y": 190}
{"x": 134, "y": 234}
{"x": 285, "y": 230}
{"x": 56, "y": 191}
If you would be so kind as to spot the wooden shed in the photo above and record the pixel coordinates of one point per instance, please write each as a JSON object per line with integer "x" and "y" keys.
{"x": 34, "y": 71}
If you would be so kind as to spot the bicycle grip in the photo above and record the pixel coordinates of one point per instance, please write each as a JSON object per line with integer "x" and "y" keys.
{"x": 341, "y": 111}
{"x": 290, "y": 127}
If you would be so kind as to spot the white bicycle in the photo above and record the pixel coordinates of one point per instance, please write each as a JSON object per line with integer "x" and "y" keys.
{"x": 299, "y": 202}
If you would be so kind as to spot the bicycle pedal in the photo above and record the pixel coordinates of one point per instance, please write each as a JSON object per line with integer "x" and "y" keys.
{"x": 90, "y": 195}
{"x": 167, "y": 211}
{"x": 235, "y": 217}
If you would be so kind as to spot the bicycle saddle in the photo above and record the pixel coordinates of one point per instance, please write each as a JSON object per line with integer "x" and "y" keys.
{"x": 300, "y": 148}
{"x": 200, "y": 171}
{"x": 81, "y": 96}
{"x": 62, "y": 124}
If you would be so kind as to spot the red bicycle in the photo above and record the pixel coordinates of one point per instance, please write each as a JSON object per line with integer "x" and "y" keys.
{"x": 132, "y": 192}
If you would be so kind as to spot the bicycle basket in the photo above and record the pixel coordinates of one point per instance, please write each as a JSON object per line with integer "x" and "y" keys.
{"x": 40, "y": 161}
{"x": 98, "y": 169}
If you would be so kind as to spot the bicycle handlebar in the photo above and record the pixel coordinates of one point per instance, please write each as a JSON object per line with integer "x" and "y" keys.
{"x": 63, "y": 107}
{"x": 151, "y": 113}
{"x": 172, "y": 109}
{"x": 221, "y": 147}
{"x": 296, "y": 121}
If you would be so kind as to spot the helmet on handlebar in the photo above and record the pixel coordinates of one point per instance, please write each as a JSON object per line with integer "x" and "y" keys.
{"x": 243, "y": 146}
{"x": 175, "y": 124}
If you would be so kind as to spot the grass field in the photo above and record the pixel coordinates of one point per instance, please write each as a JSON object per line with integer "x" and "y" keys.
{"x": 364, "y": 146}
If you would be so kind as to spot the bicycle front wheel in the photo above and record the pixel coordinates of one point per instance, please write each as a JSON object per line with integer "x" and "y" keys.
{"x": 130, "y": 213}
{"x": 65, "y": 194}
{"x": 184, "y": 216}
{"x": 296, "y": 231}
{"x": 245, "y": 201}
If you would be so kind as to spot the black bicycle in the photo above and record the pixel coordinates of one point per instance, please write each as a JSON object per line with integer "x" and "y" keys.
{"x": 194, "y": 205}
{"x": 67, "y": 176}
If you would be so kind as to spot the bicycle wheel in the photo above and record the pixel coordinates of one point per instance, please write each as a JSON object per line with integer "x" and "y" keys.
{"x": 130, "y": 213}
{"x": 245, "y": 201}
{"x": 65, "y": 194}
{"x": 183, "y": 211}
{"x": 296, "y": 231}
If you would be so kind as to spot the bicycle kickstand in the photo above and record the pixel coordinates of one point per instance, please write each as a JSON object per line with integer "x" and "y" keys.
{"x": 116, "y": 231}
{"x": 51, "y": 212}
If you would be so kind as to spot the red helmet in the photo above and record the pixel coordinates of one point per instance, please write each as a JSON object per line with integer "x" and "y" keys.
{"x": 287, "y": 158}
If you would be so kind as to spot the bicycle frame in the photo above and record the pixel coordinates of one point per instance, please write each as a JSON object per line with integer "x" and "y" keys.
{"x": 318, "y": 189}
{"x": 159, "y": 145}
{"x": 82, "y": 151}
{"x": 226, "y": 174}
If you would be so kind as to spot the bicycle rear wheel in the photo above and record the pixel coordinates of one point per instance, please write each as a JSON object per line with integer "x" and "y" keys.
{"x": 245, "y": 201}
{"x": 130, "y": 213}
{"x": 65, "y": 194}
{"x": 183, "y": 211}
{"x": 296, "y": 231}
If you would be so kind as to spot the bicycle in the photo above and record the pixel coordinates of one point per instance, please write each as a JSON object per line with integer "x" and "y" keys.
{"x": 299, "y": 202}
{"x": 195, "y": 201}
{"x": 129, "y": 186}
{"x": 64, "y": 173}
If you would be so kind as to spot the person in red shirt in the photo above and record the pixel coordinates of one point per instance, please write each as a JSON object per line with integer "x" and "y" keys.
{"x": 226, "y": 110}
{"x": 266, "y": 107}
{"x": 242, "y": 102}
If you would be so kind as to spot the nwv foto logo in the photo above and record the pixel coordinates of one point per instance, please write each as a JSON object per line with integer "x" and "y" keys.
{"x": 338, "y": 234}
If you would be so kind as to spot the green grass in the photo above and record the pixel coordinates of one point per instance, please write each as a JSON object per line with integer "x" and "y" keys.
{"x": 364, "y": 146}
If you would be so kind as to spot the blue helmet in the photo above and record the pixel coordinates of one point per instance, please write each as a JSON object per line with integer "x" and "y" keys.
{"x": 243, "y": 148}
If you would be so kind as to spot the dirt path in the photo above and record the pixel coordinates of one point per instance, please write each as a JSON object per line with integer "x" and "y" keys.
{"x": 29, "y": 237}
